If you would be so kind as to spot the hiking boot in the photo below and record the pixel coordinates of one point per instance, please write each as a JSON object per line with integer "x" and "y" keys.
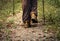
{"x": 33, "y": 18}
{"x": 34, "y": 21}
{"x": 27, "y": 24}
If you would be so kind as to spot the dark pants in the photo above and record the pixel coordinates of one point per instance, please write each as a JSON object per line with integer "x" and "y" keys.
{"x": 29, "y": 6}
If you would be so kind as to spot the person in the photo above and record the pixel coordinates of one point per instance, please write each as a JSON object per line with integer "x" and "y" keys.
{"x": 29, "y": 8}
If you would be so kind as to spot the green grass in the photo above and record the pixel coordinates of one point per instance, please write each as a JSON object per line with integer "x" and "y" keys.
{"x": 51, "y": 11}
{"x": 52, "y": 15}
{"x": 7, "y": 8}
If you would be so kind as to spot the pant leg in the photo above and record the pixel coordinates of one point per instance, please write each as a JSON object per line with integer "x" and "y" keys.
{"x": 26, "y": 7}
{"x": 34, "y": 7}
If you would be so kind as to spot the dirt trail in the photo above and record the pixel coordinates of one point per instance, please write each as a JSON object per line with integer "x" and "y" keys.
{"x": 28, "y": 34}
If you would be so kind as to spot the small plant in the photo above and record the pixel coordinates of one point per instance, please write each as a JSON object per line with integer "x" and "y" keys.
{"x": 11, "y": 21}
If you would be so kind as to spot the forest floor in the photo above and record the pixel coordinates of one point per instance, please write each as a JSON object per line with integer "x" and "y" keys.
{"x": 19, "y": 33}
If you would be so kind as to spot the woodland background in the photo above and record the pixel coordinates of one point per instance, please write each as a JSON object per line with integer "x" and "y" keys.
{"x": 51, "y": 12}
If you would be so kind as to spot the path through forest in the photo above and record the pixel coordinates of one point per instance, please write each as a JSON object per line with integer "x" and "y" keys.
{"x": 28, "y": 34}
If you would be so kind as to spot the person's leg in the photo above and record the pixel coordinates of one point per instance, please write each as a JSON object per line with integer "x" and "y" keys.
{"x": 34, "y": 11}
{"x": 26, "y": 12}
